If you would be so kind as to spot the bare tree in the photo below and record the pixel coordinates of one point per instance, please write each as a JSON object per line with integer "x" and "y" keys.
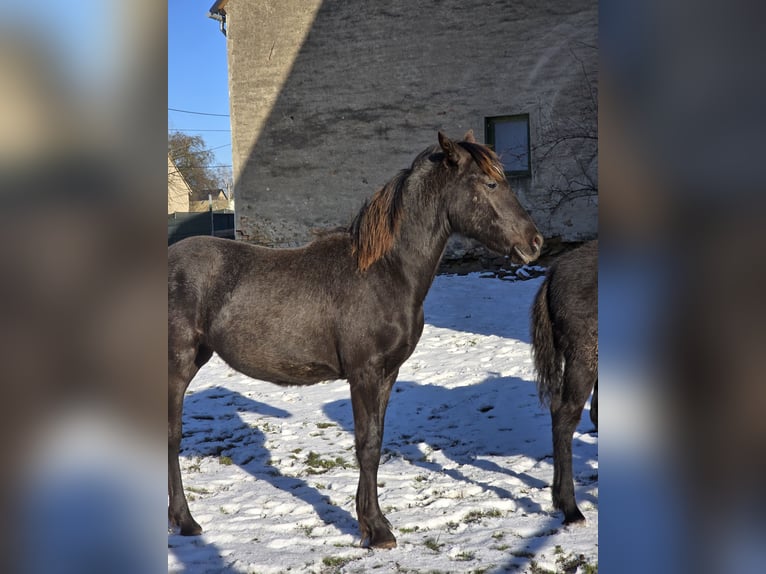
{"x": 568, "y": 143}
{"x": 195, "y": 161}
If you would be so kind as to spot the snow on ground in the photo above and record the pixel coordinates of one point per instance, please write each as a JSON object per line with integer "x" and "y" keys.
{"x": 465, "y": 475}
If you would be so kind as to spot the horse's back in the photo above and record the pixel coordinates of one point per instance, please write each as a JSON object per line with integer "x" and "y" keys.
{"x": 213, "y": 265}
{"x": 195, "y": 260}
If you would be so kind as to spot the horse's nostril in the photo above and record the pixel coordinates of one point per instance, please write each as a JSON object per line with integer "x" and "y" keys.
{"x": 537, "y": 242}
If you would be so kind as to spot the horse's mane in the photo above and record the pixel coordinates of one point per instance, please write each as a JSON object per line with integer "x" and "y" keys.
{"x": 486, "y": 159}
{"x": 375, "y": 227}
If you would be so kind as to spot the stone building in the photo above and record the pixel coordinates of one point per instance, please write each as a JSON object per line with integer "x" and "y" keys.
{"x": 329, "y": 99}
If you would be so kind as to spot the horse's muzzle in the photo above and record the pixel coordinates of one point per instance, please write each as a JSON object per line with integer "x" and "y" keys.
{"x": 535, "y": 247}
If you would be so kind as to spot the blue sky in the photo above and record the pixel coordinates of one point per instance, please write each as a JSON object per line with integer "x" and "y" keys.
{"x": 197, "y": 75}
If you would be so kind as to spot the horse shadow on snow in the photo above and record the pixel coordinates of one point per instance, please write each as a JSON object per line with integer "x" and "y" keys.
{"x": 214, "y": 427}
{"x": 468, "y": 425}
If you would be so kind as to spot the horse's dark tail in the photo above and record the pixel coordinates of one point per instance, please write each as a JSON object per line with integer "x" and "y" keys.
{"x": 548, "y": 359}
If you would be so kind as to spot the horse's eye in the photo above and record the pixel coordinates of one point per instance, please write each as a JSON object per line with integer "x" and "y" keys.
{"x": 492, "y": 184}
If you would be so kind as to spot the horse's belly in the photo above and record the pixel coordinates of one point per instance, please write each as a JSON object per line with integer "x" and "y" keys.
{"x": 279, "y": 346}
{"x": 288, "y": 374}
{"x": 281, "y": 366}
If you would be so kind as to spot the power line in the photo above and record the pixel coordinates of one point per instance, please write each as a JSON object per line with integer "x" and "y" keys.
{"x": 193, "y": 130}
{"x": 203, "y": 166}
{"x": 198, "y": 113}
{"x": 180, "y": 172}
{"x": 204, "y": 150}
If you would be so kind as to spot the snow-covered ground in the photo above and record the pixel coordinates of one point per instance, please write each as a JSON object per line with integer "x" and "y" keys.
{"x": 465, "y": 477}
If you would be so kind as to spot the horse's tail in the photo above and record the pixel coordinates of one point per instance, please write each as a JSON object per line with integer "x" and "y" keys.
{"x": 548, "y": 359}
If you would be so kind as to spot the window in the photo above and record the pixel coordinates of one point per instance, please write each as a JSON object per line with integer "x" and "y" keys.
{"x": 509, "y": 137}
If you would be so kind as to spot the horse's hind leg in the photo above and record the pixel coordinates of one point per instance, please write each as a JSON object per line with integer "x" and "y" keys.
{"x": 594, "y": 406}
{"x": 566, "y": 411}
{"x": 182, "y": 366}
{"x": 369, "y": 399}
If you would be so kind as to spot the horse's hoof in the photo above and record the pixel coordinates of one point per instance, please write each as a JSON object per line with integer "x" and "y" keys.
{"x": 381, "y": 541}
{"x": 385, "y": 544}
{"x": 191, "y": 529}
{"x": 574, "y": 518}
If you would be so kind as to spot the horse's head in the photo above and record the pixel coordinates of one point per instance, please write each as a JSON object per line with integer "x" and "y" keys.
{"x": 481, "y": 203}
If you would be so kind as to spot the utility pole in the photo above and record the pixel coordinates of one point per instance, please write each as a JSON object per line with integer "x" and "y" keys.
{"x": 212, "y": 217}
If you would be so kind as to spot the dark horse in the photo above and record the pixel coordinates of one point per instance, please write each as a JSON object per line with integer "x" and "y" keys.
{"x": 565, "y": 347}
{"x": 348, "y": 305}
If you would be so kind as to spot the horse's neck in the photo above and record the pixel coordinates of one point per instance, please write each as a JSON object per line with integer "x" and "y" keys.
{"x": 421, "y": 242}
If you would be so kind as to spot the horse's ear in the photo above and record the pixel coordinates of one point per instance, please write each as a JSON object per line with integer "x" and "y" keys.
{"x": 469, "y": 137}
{"x": 449, "y": 148}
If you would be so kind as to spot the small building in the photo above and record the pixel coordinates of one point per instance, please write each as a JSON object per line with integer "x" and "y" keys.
{"x": 204, "y": 199}
{"x": 178, "y": 189}
{"x": 330, "y": 99}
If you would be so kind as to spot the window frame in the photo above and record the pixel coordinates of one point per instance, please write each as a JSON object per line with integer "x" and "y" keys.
{"x": 489, "y": 132}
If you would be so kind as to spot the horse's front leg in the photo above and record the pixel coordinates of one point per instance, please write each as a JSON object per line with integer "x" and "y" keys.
{"x": 369, "y": 397}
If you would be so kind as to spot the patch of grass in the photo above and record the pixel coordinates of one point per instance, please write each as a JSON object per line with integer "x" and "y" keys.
{"x": 197, "y": 490}
{"x": 420, "y": 478}
{"x": 432, "y": 544}
{"x": 265, "y": 426}
{"x": 225, "y": 460}
{"x": 571, "y": 564}
{"x": 296, "y": 450}
{"x": 522, "y": 553}
{"x": 452, "y": 525}
{"x": 406, "y": 530}
{"x": 477, "y": 515}
{"x": 466, "y": 556}
{"x": 335, "y": 563}
{"x": 498, "y": 535}
{"x": 565, "y": 564}
{"x": 325, "y": 425}
{"x": 318, "y": 465}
